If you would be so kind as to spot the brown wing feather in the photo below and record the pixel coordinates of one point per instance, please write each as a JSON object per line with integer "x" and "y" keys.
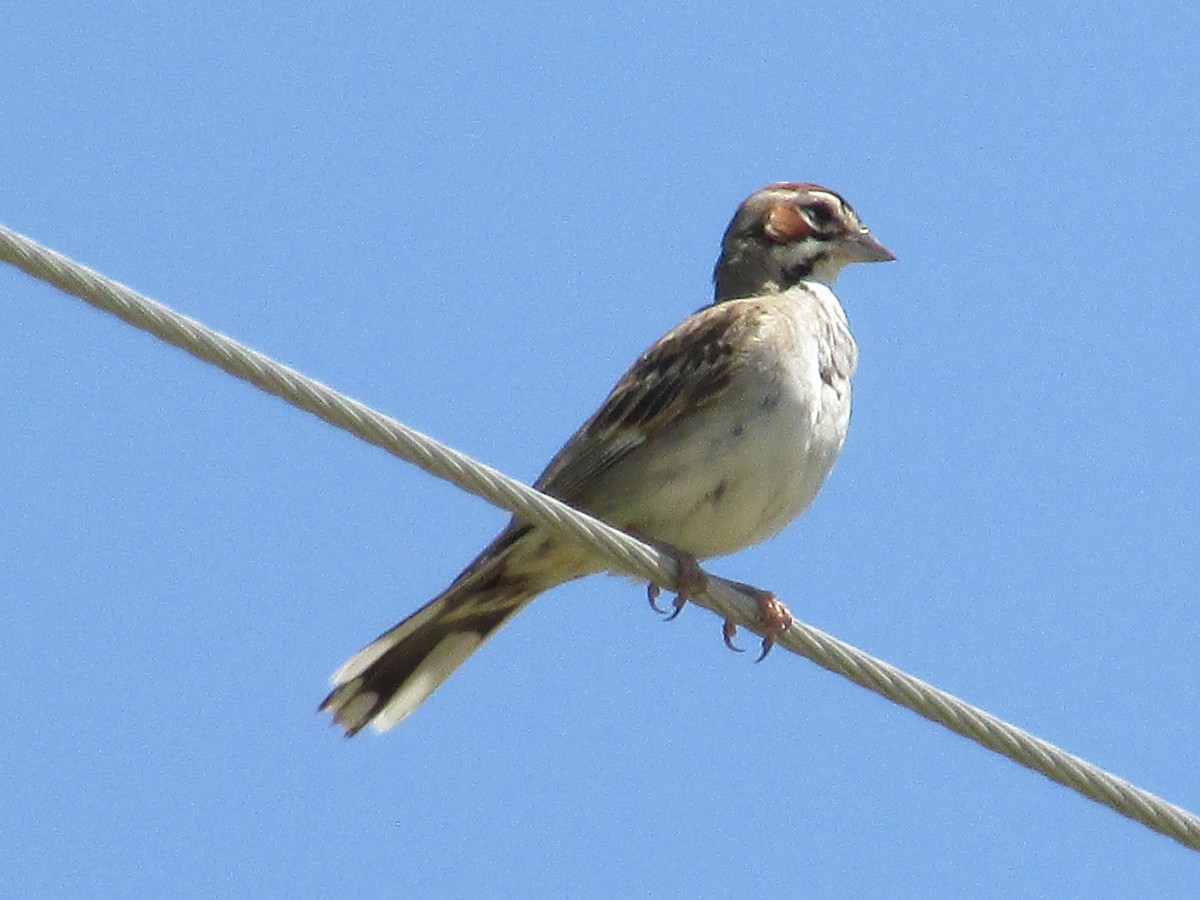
{"x": 684, "y": 370}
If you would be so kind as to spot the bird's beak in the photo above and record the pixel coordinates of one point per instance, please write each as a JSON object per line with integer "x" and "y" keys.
{"x": 863, "y": 247}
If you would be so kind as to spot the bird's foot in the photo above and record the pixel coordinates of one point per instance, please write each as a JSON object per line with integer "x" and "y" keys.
{"x": 690, "y": 579}
{"x": 728, "y": 631}
{"x": 776, "y": 619}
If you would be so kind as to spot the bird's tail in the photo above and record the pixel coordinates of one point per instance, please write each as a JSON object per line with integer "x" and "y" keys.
{"x": 386, "y": 680}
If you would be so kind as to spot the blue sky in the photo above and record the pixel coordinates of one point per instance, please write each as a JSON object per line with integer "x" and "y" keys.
{"x": 474, "y": 220}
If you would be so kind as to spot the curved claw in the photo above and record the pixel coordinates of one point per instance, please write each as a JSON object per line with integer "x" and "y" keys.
{"x": 652, "y": 592}
{"x": 727, "y": 632}
{"x": 691, "y": 579}
{"x": 776, "y": 617}
{"x": 679, "y": 603}
{"x": 767, "y": 643}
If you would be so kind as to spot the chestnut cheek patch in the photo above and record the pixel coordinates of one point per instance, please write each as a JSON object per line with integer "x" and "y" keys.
{"x": 784, "y": 224}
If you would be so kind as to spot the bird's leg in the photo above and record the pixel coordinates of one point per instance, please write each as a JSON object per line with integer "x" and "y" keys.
{"x": 690, "y": 579}
{"x": 776, "y": 618}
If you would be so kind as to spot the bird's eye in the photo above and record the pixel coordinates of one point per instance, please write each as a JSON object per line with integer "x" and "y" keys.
{"x": 821, "y": 215}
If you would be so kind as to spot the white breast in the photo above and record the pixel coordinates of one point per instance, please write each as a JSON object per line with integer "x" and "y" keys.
{"x": 749, "y": 466}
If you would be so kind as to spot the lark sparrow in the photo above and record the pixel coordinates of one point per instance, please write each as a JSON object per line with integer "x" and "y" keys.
{"x": 719, "y": 435}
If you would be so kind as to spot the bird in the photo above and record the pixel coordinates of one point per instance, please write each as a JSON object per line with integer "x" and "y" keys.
{"x": 717, "y": 436}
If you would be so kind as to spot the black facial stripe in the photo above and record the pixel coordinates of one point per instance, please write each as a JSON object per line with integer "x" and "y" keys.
{"x": 794, "y": 274}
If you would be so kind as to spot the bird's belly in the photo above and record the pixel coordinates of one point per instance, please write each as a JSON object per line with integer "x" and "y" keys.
{"x": 736, "y": 480}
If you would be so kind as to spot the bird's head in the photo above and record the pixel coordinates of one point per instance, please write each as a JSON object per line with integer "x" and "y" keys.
{"x": 790, "y": 232}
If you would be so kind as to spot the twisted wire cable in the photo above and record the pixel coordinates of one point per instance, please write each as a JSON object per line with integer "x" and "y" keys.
{"x": 620, "y": 552}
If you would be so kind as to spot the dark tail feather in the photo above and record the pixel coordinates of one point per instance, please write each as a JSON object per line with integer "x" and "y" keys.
{"x": 395, "y": 673}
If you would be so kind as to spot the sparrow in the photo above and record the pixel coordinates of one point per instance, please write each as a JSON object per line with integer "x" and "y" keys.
{"x": 718, "y": 435}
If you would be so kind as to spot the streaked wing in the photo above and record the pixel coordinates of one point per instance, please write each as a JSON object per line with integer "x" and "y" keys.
{"x": 685, "y": 370}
